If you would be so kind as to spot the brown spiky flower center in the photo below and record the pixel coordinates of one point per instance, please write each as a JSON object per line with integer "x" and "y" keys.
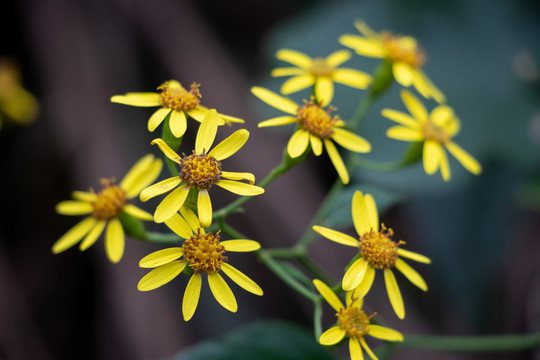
{"x": 178, "y": 98}
{"x": 110, "y": 201}
{"x": 403, "y": 49}
{"x": 378, "y": 249}
{"x": 199, "y": 170}
{"x": 354, "y": 321}
{"x": 204, "y": 252}
{"x": 320, "y": 68}
{"x": 315, "y": 120}
{"x": 435, "y": 132}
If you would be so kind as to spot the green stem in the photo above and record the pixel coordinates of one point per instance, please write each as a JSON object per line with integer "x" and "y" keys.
{"x": 314, "y": 269}
{"x": 317, "y": 318}
{"x": 173, "y": 142}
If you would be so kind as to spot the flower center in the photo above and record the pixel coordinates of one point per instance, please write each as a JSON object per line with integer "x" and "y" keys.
{"x": 110, "y": 201}
{"x": 178, "y": 98}
{"x": 319, "y": 67}
{"x": 199, "y": 170}
{"x": 315, "y": 120}
{"x": 403, "y": 49}
{"x": 204, "y": 252}
{"x": 435, "y": 132}
{"x": 378, "y": 248}
{"x": 354, "y": 321}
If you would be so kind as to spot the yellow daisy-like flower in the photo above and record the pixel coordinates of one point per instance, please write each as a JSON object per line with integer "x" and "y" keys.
{"x": 315, "y": 127}
{"x": 353, "y": 323}
{"x": 176, "y": 101}
{"x": 203, "y": 253}
{"x": 436, "y": 130}
{"x": 377, "y": 251}
{"x": 402, "y": 51}
{"x": 201, "y": 170}
{"x": 318, "y": 72}
{"x": 105, "y": 208}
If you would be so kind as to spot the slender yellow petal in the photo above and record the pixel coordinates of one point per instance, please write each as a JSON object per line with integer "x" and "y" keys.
{"x": 316, "y": 144}
{"x": 178, "y": 123}
{"x": 351, "y": 77}
{"x": 277, "y": 121}
{"x": 230, "y": 145}
{"x": 198, "y": 113}
{"x": 275, "y": 100}
{"x": 338, "y": 57}
{"x": 157, "y": 118}
{"x": 328, "y": 295}
{"x": 191, "y": 218}
{"x": 413, "y": 256}
{"x": 336, "y": 236}
{"x": 137, "y": 212}
{"x": 74, "y": 235}
{"x": 402, "y": 73}
{"x": 140, "y": 168}
{"x": 400, "y": 117}
{"x": 191, "y": 296}
{"x": 179, "y": 226}
{"x": 204, "y": 208}
{"x": 93, "y": 235}
{"x": 464, "y": 158}
{"x": 365, "y": 285}
{"x": 432, "y": 156}
{"x": 114, "y": 240}
{"x": 226, "y": 119}
{"x": 222, "y": 292}
{"x": 353, "y": 299}
{"x": 71, "y": 207}
{"x": 241, "y": 279}
{"x": 207, "y": 132}
{"x": 238, "y": 176}
{"x": 442, "y": 115}
{"x": 159, "y": 188}
{"x": 355, "y": 274}
{"x": 384, "y": 333}
{"x": 297, "y": 83}
{"x": 364, "y": 47}
{"x": 444, "y": 166}
{"x": 372, "y": 213}
{"x": 332, "y": 336}
{"x": 431, "y": 89}
{"x": 137, "y": 99}
{"x": 411, "y": 274}
{"x": 351, "y": 141}
{"x": 366, "y": 30}
{"x": 161, "y": 275}
{"x": 360, "y": 214}
{"x": 288, "y": 71}
{"x": 298, "y": 143}
{"x": 294, "y": 57}
{"x": 370, "y": 353}
{"x": 393, "y": 293}
{"x": 161, "y": 257}
{"x": 355, "y": 350}
{"x": 415, "y": 107}
{"x": 240, "y": 245}
{"x": 336, "y": 159}
{"x": 404, "y": 133}
{"x": 171, "y": 204}
{"x": 324, "y": 90}
{"x": 167, "y": 151}
{"x": 144, "y": 179}
{"x": 84, "y": 196}
{"x": 240, "y": 188}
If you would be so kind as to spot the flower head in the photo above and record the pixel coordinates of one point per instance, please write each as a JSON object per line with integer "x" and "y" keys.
{"x": 200, "y": 171}
{"x": 104, "y": 209}
{"x": 406, "y": 57}
{"x": 321, "y": 73}
{"x": 175, "y": 100}
{"x": 377, "y": 251}
{"x": 435, "y": 129}
{"x": 203, "y": 252}
{"x": 316, "y": 127}
{"x": 352, "y": 322}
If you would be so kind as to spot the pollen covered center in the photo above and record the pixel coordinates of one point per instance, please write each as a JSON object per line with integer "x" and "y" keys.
{"x": 204, "y": 252}
{"x": 378, "y": 249}
{"x": 199, "y": 170}
{"x": 315, "y": 120}
{"x": 110, "y": 201}
{"x": 354, "y": 321}
{"x": 320, "y": 68}
{"x": 178, "y": 98}
{"x": 403, "y": 49}
{"x": 435, "y": 132}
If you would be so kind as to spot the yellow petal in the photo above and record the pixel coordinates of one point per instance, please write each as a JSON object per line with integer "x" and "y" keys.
{"x": 351, "y": 77}
{"x": 137, "y": 212}
{"x": 351, "y": 141}
{"x": 277, "y": 121}
{"x": 84, "y": 196}
{"x": 222, "y": 292}
{"x": 355, "y": 350}
{"x": 353, "y": 299}
{"x": 445, "y": 167}
{"x": 316, "y": 144}
{"x": 240, "y": 188}
{"x": 137, "y": 99}
{"x": 372, "y": 213}
{"x": 393, "y": 293}
{"x": 362, "y": 46}
{"x": 360, "y": 215}
{"x": 275, "y": 100}
{"x": 401, "y": 118}
{"x": 336, "y": 159}
{"x": 404, "y": 133}
{"x": 167, "y": 151}
{"x": 415, "y": 107}
{"x": 198, "y": 113}
{"x": 157, "y": 118}
{"x": 93, "y": 235}
{"x": 442, "y": 115}
{"x": 324, "y": 90}
{"x": 204, "y": 207}
{"x": 328, "y": 295}
{"x": 230, "y": 145}
{"x": 159, "y": 188}
{"x": 294, "y": 57}
{"x": 178, "y": 123}
{"x": 240, "y": 245}
{"x": 207, "y": 132}
{"x": 336, "y": 236}
{"x": 171, "y": 204}
{"x": 239, "y": 176}
{"x": 141, "y": 174}
{"x": 73, "y": 235}
{"x": 411, "y": 274}
{"x": 114, "y": 240}
{"x": 421, "y": 80}
{"x": 464, "y": 158}
{"x": 355, "y": 274}
{"x": 70, "y": 207}
{"x": 179, "y": 226}
{"x": 297, "y": 83}
{"x": 161, "y": 275}
{"x": 298, "y": 143}
{"x": 332, "y": 336}
{"x": 402, "y": 73}
{"x": 365, "y": 285}
{"x": 432, "y": 156}
{"x": 365, "y": 29}
{"x": 384, "y": 333}
{"x": 338, "y": 57}
{"x": 367, "y": 349}
{"x": 288, "y": 71}
{"x": 241, "y": 279}
{"x": 191, "y": 218}
{"x": 161, "y": 257}
{"x": 191, "y": 296}
{"x": 413, "y": 256}
{"x": 226, "y": 119}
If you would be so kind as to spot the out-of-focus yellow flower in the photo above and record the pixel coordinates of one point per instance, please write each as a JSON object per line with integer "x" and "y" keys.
{"x": 315, "y": 127}
{"x": 318, "y": 72}
{"x": 16, "y": 103}
{"x": 200, "y": 171}
{"x": 377, "y": 251}
{"x": 436, "y": 130}
{"x": 105, "y": 208}
{"x": 176, "y": 101}
{"x": 203, "y": 253}
{"x": 352, "y": 322}
{"x": 402, "y": 51}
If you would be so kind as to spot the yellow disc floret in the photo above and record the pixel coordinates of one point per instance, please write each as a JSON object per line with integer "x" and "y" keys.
{"x": 110, "y": 201}
{"x": 354, "y": 321}
{"x": 199, "y": 170}
{"x": 403, "y": 49}
{"x": 315, "y": 120}
{"x": 434, "y": 132}
{"x": 378, "y": 249}
{"x": 204, "y": 252}
{"x": 320, "y": 67}
{"x": 177, "y": 98}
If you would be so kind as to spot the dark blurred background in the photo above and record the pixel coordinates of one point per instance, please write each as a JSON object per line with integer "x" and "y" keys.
{"x": 481, "y": 232}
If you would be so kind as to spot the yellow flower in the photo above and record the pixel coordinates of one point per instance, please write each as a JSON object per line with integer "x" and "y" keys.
{"x": 318, "y": 72}
{"x": 436, "y": 130}
{"x": 200, "y": 171}
{"x": 105, "y": 208}
{"x": 402, "y": 51}
{"x": 377, "y": 251}
{"x": 315, "y": 127}
{"x": 353, "y": 323}
{"x": 203, "y": 253}
{"x": 176, "y": 101}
